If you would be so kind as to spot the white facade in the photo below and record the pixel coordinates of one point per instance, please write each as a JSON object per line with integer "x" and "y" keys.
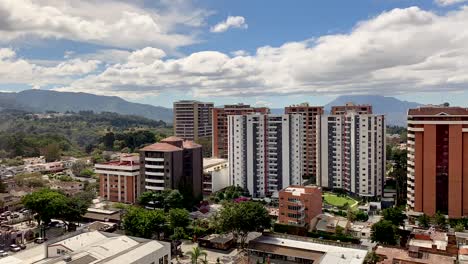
{"x": 351, "y": 153}
{"x": 215, "y": 174}
{"x": 265, "y": 152}
{"x": 100, "y": 247}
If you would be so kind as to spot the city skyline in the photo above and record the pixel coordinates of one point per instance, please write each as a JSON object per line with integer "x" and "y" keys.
{"x": 185, "y": 50}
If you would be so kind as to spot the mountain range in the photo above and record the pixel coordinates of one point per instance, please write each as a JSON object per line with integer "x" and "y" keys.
{"x": 45, "y": 100}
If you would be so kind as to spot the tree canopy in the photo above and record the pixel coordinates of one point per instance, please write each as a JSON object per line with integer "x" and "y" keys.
{"x": 384, "y": 232}
{"x": 394, "y": 215}
{"x": 243, "y": 218}
{"x": 144, "y": 223}
{"x": 50, "y": 204}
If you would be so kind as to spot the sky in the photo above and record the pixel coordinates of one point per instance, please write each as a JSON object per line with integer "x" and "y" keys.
{"x": 265, "y": 53}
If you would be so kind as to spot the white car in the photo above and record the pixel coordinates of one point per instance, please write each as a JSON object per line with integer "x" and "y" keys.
{"x": 3, "y": 253}
{"x": 14, "y": 248}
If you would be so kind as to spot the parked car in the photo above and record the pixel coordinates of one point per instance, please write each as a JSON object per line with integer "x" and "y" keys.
{"x": 15, "y": 215}
{"x": 6, "y": 213}
{"x": 14, "y": 248}
{"x": 39, "y": 240}
{"x": 54, "y": 223}
{"x": 3, "y": 254}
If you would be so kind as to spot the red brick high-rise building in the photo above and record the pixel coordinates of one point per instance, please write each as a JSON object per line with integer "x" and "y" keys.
{"x": 220, "y": 125}
{"x": 438, "y": 160}
{"x": 310, "y": 116}
{"x": 298, "y": 205}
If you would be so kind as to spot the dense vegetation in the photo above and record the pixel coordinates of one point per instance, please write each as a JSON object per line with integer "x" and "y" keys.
{"x": 75, "y": 134}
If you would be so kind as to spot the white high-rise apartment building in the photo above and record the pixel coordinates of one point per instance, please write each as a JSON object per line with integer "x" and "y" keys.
{"x": 351, "y": 153}
{"x": 265, "y": 152}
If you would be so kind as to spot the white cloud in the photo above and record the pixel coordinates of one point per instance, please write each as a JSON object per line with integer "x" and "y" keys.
{"x": 109, "y": 23}
{"x": 397, "y": 52}
{"x": 230, "y": 22}
{"x": 449, "y": 2}
{"x": 17, "y": 70}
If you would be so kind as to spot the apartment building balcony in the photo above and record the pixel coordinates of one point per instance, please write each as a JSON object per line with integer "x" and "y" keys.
{"x": 154, "y": 166}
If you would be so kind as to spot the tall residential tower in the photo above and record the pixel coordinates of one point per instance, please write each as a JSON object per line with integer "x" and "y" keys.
{"x": 438, "y": 160}
{"x": 265, "y": 152}
{"x": 310, "y": 116}
{"x": 192, "y": 120}
{"x": 220, "y": 125}
{"x": 173, "y": 163}
{"x": 352, "y": 153}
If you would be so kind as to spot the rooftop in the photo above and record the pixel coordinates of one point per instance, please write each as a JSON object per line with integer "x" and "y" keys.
{"x": 210, "y": 162}
{"x": 437, "y": 111}
{"x": 119, "y": 163}
{"x": 299, "y": 190}
{"x": 163, "y": 147}
{"x": 321, "y": 252}
{"x": 104, "y": 248}
{"x": 401, "y": 254}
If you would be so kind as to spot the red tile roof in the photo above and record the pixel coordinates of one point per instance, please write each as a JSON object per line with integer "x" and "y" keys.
{"x": 172, "y": 139}
{"x": 165, "y": 147}
{"x": 190, "y": 144}
{"x": 438, "y": 111}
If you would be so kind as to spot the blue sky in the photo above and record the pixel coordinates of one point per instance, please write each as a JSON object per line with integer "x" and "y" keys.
{"x": 272, "y": 53}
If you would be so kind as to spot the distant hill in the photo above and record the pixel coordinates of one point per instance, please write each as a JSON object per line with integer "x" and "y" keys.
{"x": 44, "y": 100}
{"x": 394, "y": 109}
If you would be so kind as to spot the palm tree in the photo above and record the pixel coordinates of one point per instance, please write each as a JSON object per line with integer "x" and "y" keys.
{"x": 196, "y": 255}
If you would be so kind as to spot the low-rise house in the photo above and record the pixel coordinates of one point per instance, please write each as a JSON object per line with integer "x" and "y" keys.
{"x": 69, "y": 188}
{"x": 34, "y": 160}
{"x": 295, "y": 249}
{"x": 392, "y": 255}
{"x": 53, "y": 166}
{"x": 216, "y": 241}
{"x": 328, "y": 223}
{"x": 68, "y": 162}
{"x": 35, "y": 168}
{"x": 360, "y": 230}
{"x": 463, "y": 255}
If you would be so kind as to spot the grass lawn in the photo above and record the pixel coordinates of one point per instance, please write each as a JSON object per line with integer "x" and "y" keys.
{"x": 334, "y": 200}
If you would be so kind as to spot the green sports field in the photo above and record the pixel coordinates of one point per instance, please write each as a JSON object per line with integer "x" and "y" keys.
{"x": 334, "y": 200}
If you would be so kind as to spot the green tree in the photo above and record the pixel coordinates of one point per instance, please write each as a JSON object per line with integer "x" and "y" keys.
{"x": 144, "y": 223}
{"x": 372, "y": 258}
{"x": 2, "y": 187}
{"x": 459, "y": 227}
{"x": 394, "y": 215}
{"x": 87, "y": 173}
{"x": 179, "y": 233}
{"x": 78, "y": 167}
{"x": 108, "y": 140}
{"x": 384, "y": 232}
{"x": 440, "y": 220}
{"x": 46, "y": 203}
{"x": 351, "y": 215}
{"x": 197, "y": 255}
{"x": 243, "y": 218}
{"x": 339, "y": 231}
{"x": 173, "y": 199}
{"x": 52, "y": 152}
{"x": 424, "y": 220}
{"x": 178, "y": 218}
